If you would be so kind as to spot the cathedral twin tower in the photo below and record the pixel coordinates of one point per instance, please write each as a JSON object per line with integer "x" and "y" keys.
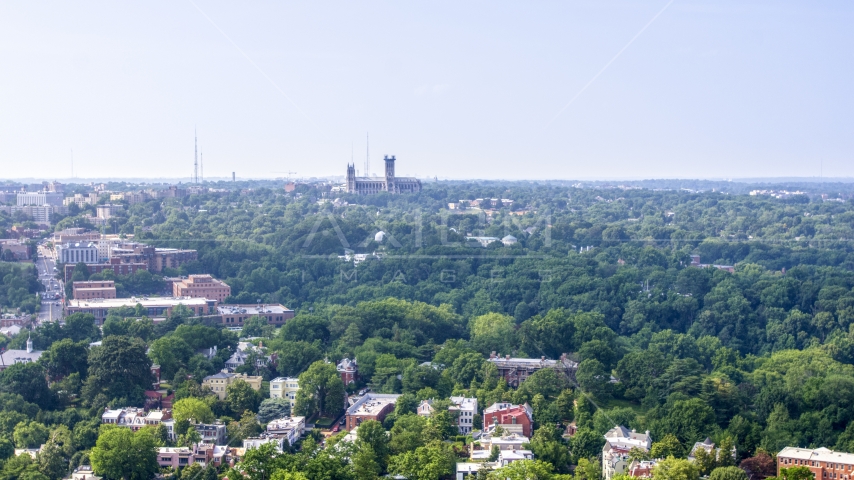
{"x": 389, "y": 183}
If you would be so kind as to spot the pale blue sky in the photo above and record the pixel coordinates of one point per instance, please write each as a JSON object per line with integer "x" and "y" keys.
{"x": 457, "y": 89}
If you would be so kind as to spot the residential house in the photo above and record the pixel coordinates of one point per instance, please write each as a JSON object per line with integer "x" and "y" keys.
{"x": 508, "y": 416}
{"x": 465, "y": 409}
{"x": 219, "y": 382}
{"x": 285, "y": 387}
{"x": 349, "y": 370}
{"x": 619, "y": 441}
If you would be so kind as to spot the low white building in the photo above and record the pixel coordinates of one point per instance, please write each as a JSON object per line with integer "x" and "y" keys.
{"x": 255, "y": 442}
{"x": 290, "y": 428}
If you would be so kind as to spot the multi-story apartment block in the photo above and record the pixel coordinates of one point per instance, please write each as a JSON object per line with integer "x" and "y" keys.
{"x": 114, "y": 264}
{"x": 153, "y": 306}
{"x": 39, "y": 198}
{"x": 201, "y": 286}
{"x": 156, "y": 258}
{"x": 81, "y": 199}
{"x": 619, "y": 441}
{"x": 234, "y": 315}
{"x": 108, "y": 211}
{"x": 285, "y": 387}
{"x": 825, "y": 464}
{"x": 219, "y": 382}
{"x": 94, "y": 289}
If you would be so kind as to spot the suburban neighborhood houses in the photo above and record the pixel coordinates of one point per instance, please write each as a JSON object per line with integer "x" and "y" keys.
{"x": 197, "y": 334}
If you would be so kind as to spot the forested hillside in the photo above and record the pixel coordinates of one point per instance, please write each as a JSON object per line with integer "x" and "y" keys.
{"x": 758, "y": 358}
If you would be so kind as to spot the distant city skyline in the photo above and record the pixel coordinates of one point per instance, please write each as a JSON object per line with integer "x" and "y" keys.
{"x": 572, "y": 91}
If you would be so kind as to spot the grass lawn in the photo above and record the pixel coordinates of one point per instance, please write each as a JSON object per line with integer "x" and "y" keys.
{"x": 324, "y": 422}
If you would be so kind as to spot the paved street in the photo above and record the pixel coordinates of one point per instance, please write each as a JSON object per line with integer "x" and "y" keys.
{"x": 51, "y": 308}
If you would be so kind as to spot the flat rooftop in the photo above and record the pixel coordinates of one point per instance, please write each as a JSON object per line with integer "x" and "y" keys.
{"x": 372, "y": 404}
{"x": 144, "y": 301}
{"x": 251, "y": 309}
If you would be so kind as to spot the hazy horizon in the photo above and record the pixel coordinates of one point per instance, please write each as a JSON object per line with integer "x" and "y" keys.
{"x": 640, "y": 90}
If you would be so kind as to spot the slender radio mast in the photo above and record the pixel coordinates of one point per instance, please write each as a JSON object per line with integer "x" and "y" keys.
{"x": 196, "y": 157}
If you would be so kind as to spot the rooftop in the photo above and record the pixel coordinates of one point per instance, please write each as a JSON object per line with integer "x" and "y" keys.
{"x": 251, "y": 309}
{"x": 818, "y": 454}
{"x": 144, "y": 301}
{"x": 372, "y": 403}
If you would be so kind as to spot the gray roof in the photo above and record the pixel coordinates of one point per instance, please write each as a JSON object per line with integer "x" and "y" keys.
{"x": 20, "y": 356}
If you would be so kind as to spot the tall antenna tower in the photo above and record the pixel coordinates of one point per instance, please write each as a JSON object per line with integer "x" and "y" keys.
{"x": 368, "y": 156}
{"x": 196, "y": 157}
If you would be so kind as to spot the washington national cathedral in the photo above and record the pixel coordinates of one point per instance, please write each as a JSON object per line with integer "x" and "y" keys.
{"x": 389, "y": 183}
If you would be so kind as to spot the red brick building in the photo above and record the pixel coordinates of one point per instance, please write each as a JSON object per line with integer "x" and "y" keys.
{"x": 201, "y": 286}
{"x": 349, "y": 371}
{"x": 115, "y": 265}
{"x": 508, "y": 414}
{"x": 372, "y": 406}
{"x": 94, "y": 289}
{"x": 824, "y": 463}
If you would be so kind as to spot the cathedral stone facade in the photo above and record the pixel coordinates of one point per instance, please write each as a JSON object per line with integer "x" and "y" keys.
{"x": 388, "y": 183}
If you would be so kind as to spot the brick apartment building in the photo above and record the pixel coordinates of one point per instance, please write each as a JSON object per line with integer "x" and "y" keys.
{"x": 94, "y": 289}
{"x": 372, "y": 406}
{"x": 152, "y": 306}
{"x": 233, "y": 315}
{"x": 115, "y": 264}
{"x": 156, "y": 259}
{"x": 201, "y": 286}
{"x": 825, "y": 464}
{"x": 506, "y": 414}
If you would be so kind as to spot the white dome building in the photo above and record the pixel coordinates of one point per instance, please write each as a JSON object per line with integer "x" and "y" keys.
{"x": 509, "y": 240}
{"x": 379, "y": 236}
